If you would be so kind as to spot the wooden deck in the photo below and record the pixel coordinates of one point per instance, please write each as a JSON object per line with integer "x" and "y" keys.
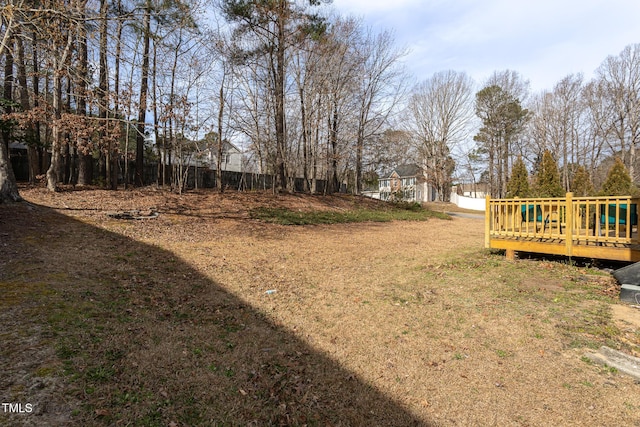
{"x": 588, "y": 227}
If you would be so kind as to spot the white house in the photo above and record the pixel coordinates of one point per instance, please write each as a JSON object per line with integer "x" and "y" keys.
{"x": 407, "y": 183}
{"x": 201, "y": 154}
{"x": 231, "y": 157}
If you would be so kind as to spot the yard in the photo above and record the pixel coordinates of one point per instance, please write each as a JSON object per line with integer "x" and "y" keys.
{"x": 208, "y": 315}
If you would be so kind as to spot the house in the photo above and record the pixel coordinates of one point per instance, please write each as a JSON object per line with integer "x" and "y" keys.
{"x": 231, "y": 157}
{"x": 407, "y": 183}
{"x": 204, "y": 154}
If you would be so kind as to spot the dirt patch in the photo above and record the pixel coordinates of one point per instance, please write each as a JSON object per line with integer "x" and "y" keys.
{"x": 627, "y": 319}
{"x": 203, "y": 316}
{"x": 549, "y": 285}
{"x": 627, "y": 314}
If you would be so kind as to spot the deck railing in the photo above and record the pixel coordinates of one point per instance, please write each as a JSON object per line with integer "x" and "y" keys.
{"x": 566, "y": 222}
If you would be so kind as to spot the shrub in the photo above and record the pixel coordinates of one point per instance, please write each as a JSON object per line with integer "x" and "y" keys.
{"x": 618, "y": 182}
{"x": 548, "y": 179}
{"x": 582, "y": 185}
{"x": 518, "y": 185}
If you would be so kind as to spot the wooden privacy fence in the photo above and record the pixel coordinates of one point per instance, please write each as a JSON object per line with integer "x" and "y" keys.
{"x": 590, "y": 227}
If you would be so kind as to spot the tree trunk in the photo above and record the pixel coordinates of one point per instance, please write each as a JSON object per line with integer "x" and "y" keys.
{"x": 219, "y": 183}
{"x": 142, "y": 111}
{"x": 281, "y": 144}
{"x": 31, "y": 131}
{"x": 8, "y": 91}
{"x": 160, "y": 178}
{"x": 53, "y": 173}
{"x": 59, "y": 61}
{"x": 8, "y": 187}
{"x": 82, "y": 143}
{"x": 359, "y": 156}
{"x": 332, "y": 180}
{"x": 305, "y": 140}
{"x": 36, "y": 151}
{"x": 112, "y": 154}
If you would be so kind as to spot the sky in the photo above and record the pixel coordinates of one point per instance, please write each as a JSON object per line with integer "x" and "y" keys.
{"x": 543, "y": 40}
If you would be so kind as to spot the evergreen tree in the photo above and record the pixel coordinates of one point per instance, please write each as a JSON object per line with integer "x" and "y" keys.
{"x": 518, "y": 185}
{"x": 503, "y": 119}
{"x": 270, "y": 28}
{"x": 548, "y": 178}
{"x": 618, "y": 182}
{"x": 582, "y": 185}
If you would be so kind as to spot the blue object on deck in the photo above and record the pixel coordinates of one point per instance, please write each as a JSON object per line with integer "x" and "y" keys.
{"x": 528, "y": 213}
{"x": 610, "y": 215}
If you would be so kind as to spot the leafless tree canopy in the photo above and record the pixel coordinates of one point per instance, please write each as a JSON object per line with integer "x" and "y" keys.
{"x": 96, "y": 89}
{"x": 441, "y": 110}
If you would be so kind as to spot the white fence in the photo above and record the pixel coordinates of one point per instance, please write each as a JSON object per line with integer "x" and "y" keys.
{"x": 468, "y": 202}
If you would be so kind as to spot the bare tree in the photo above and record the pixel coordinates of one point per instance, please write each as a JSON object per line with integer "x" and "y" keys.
{"x": 61, "y": 43}
{"x": 568, "y": 92}
{"x": 341, "y": 68}
{"x": 274, "y": 27}
{"x": 598, "y": 117}
{"x": 226, "y": 53}
{"x": 441, "y": 108}
{"x": 499, "y": 106}
{"x": 144, "y": 88}
{"x": 8, "y": 186}
{"x": 389, "y": 149}
{"x": 382, "y": 83}
{"x": 620, "y": 76}
{"x": 557, "y": 125}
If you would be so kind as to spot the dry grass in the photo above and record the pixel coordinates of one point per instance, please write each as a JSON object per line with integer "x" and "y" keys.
{"x": 168, "y": 321}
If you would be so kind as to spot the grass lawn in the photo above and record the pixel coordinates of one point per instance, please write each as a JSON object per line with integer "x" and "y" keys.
{"x": 216, "y": 313}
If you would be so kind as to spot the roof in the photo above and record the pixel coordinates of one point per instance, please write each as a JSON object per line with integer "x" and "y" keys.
{"x": 406, "y": 170}
{"x": 204, "y": 145}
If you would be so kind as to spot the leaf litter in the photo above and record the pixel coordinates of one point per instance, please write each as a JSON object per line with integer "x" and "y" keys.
{"x": 166, "y": 322}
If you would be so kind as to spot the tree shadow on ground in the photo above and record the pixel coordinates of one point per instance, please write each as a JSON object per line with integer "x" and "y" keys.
{"x": 99, "y": 329}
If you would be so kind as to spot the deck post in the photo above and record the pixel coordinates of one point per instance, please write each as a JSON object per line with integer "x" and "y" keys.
{"x": 568, "y": 225}
{"x": 487, "y": 222}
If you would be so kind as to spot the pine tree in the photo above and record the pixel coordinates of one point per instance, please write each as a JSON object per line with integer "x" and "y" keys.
{"x": 274, "y": 26}
{"x": 618, "y": 182}
{"x": 548, "y": 178}
{"x": 503, "y": 119}
{"x": 518, "y": 185}
{"x": 582, "y": 185}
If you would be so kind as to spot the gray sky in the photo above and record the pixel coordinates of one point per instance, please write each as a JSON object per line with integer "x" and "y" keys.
{"x": 543, "y": 40}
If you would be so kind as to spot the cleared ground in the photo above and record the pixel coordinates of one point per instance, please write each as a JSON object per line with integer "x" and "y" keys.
{"x": 204, "y": 316}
